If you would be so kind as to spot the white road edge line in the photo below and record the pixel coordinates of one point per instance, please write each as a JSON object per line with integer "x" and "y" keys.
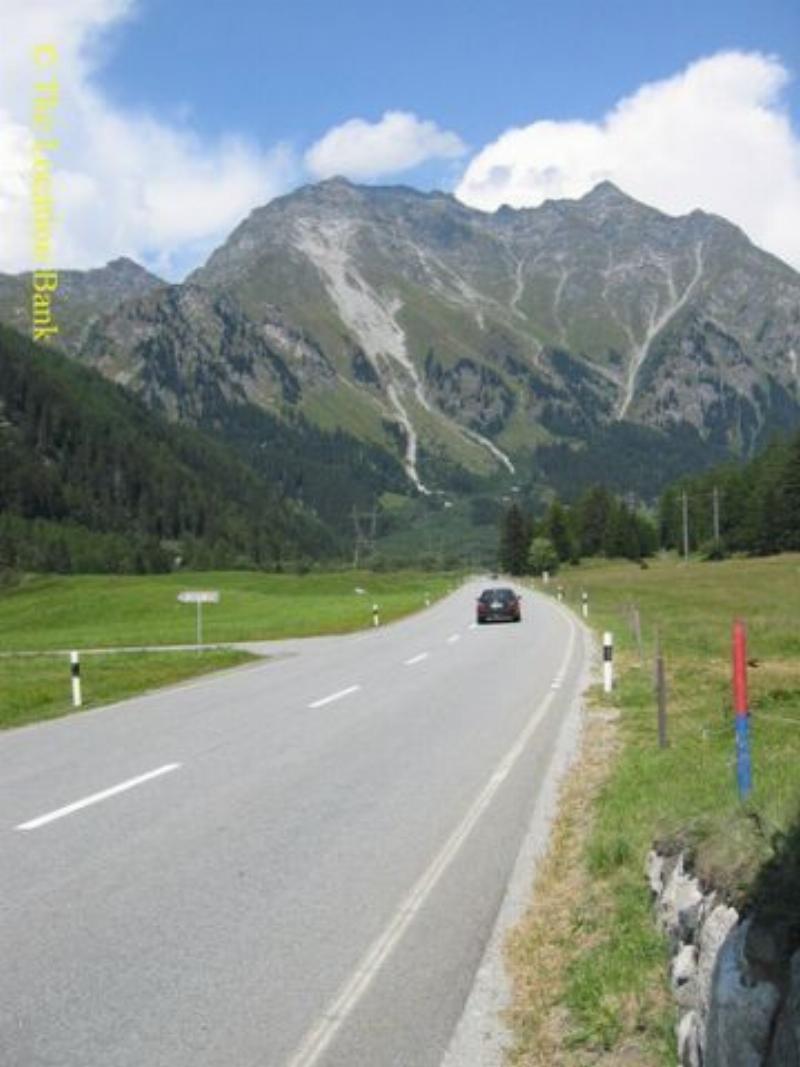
{"x": 341, "y": 1007}
{"x": 335, "y": 696}
{"x": 416, "y": 659}
{"x": 95, "y": 798}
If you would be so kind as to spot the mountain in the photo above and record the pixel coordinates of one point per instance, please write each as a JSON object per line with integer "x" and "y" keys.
{"x": 585, "y": 339}
{"x": 483, "y": 335}
{"x": 91, "y": 479}
{"x": 81, "y": 297}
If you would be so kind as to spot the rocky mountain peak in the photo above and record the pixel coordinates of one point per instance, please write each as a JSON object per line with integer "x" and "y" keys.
{"x": 124, "y": 266}
{"x": 451, "y": 336}
{"x": 606, "y": 192}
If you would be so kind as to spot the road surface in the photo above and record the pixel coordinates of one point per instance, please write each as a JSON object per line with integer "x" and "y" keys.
{"x": 295, "y": 863}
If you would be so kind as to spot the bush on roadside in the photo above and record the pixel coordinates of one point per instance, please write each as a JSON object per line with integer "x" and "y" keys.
{"x": 542, "y": 556}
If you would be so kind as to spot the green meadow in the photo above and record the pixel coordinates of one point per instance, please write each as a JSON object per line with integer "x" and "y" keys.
{"x": 101, "y": 611}
{"x": 47, "y": 613}
{"x": 39, "y": 687}
{"x": 683, "y": 796}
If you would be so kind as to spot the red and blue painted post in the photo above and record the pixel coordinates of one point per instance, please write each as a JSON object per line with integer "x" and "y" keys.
{"x": 740, "y": 706}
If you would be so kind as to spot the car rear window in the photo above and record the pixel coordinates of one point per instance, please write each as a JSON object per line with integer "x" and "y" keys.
{"x": 503, "y": 595}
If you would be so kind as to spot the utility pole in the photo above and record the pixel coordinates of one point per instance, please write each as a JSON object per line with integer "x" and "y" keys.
{"x": 715, "y": 498}
{"x": 364, "y": 526}
{"x": 685, "y": 509}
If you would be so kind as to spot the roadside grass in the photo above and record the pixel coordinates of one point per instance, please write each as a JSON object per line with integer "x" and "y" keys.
{"x": 611, "y": 963}
{"x": 102, "y": 611}
{"x": 38, "y": 687}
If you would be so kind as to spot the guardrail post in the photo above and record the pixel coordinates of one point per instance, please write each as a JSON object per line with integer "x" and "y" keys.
{"x": 75, "y": 672}
{"x": 608, "y": 662}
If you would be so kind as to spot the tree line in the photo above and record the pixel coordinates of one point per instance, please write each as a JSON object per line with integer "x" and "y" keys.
{"x": 598, "y": 524}
{"x": 752, "y": 508}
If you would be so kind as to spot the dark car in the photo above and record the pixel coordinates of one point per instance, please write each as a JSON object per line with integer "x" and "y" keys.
{"x": 499, "y": 605}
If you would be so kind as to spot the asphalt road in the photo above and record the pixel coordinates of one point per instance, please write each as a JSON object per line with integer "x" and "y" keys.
{"x": 290, "y": 864}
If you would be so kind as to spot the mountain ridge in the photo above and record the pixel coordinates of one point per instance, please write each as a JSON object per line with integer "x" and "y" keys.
{"x": 456, "y": 339}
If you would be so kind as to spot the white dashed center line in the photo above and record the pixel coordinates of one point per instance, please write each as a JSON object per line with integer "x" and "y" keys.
{"x": 451, "y": 640}
{"x": 95, "y": 798}
{"x": 335, "y": 696}
{"x": 416, "y": 659}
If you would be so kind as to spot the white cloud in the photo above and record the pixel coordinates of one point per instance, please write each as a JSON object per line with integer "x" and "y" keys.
{"x": 123, "y": 182}
{"x": 716, "y": 136}
{"x": 362, "y": 150}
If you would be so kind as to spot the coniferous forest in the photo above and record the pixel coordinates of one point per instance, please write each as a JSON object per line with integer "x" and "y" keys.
{"x": 757, "y": 505}
{"x": 751, "y": 508}
{"x": 91, "y": 480}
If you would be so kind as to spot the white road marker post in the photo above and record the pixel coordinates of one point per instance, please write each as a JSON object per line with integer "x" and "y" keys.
{"x": 585, "y": 604}
{"x": 427, "y": 600}
{"x": 376, "y": 621}
{"x": 560, "y": 593}
{"x": 75, "y": 671}
{"x": 608, "y": 662}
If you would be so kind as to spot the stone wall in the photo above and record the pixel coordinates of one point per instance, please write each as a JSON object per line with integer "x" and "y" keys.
{"x": 736, "y": 985}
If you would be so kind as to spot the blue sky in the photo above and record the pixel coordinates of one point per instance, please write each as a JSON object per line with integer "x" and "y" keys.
{"x": 289, "y": 71}
{"x": 175, "y": 119}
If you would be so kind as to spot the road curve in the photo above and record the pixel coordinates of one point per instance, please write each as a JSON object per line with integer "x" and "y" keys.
{"x": 291, "y": 864}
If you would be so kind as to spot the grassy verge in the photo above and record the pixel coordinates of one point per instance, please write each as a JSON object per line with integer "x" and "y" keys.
{"x": 608, "y": 964}
{"x": 94, "y": 611}
{"x": 38, "y": 687}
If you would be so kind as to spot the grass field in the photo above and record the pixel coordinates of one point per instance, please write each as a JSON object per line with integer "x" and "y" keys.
{"x": 46, "y": 613}
{"x": 39, "y": 687}
{"x": 101, "y": 611}
{"x": 608, "y": 998}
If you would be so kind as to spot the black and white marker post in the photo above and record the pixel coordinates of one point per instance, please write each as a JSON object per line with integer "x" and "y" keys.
{"x": 585, "y": 605}
{"x": 75, "y": 671}
{"x": 375, "y": 617}
{"x": 608, "y": 662}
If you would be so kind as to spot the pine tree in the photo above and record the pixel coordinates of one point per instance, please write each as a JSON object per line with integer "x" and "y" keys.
{"x": 592, "y": 515}
{"x": 514, "y": 541}
{"x": 556, "y": 529}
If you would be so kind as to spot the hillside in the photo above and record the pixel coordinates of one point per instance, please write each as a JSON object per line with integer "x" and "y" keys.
{"x": 91, "y": 479}
{"x": 82, "y": 297}
{"x": 485, "y": 336}
{"x": 352, "y": 340}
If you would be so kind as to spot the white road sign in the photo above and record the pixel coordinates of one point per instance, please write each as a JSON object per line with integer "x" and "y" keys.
{"x": 208, "y": 596}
